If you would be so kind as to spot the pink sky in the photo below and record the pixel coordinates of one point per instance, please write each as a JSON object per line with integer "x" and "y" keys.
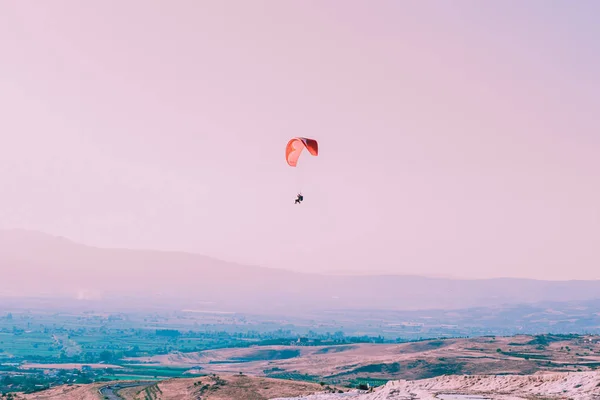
{"x": 456, "y": 138}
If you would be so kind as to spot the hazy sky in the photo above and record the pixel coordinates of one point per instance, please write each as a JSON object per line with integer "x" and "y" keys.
{"x": 456, "y": 137}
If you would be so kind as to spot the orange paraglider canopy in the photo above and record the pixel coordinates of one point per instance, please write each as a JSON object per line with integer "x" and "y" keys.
{"x": 296, "y": 145}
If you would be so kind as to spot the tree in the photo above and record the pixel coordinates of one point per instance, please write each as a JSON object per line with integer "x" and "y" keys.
{"x": 106, "y": 356}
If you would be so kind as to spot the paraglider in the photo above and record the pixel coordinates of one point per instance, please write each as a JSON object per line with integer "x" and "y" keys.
{"x": 294, "y": 149}
{"x": 296, "y": 145}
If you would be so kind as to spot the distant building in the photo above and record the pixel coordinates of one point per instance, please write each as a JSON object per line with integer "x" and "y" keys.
{"x": 53, "y": 373}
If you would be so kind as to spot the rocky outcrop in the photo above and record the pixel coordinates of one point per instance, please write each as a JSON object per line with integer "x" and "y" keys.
{"x": 574, "y": 385}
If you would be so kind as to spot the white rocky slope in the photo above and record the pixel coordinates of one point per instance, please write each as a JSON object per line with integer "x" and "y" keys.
{"x": 573, "y": 385}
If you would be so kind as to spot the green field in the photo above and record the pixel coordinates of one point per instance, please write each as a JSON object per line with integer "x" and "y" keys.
{"x": 130, "y": 378}
{"x": 371, "y": 382}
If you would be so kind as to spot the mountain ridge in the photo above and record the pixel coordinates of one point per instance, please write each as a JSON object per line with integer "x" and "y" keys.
{"x": 56, "y": 265}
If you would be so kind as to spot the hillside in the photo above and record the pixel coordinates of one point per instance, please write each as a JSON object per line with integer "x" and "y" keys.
{"x": 349, "y": 364}
{"x": 517, "y": 366}
{"x": 65, "y": 268}
{"x": 72, "y": 392}
{"x": 573, "y": 386}
{"x": 205, "y": 388}
{"x": 546, "y": 386}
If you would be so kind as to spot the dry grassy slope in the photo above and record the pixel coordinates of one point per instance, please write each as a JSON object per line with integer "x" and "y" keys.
{"x": 74, "y": 392}
{"x": 222, "y": 388}
{"x": 520, "y": 354}
{"x": 132, "y": 393}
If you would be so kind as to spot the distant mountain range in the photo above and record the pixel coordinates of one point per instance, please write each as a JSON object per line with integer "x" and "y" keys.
{"x": 37, "y": 264}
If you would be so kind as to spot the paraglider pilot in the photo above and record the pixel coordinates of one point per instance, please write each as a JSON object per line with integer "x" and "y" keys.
{"x": 299, "y": 199}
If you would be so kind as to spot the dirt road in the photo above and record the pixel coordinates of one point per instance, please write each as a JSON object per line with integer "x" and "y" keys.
{"x": 110, "y": 392}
